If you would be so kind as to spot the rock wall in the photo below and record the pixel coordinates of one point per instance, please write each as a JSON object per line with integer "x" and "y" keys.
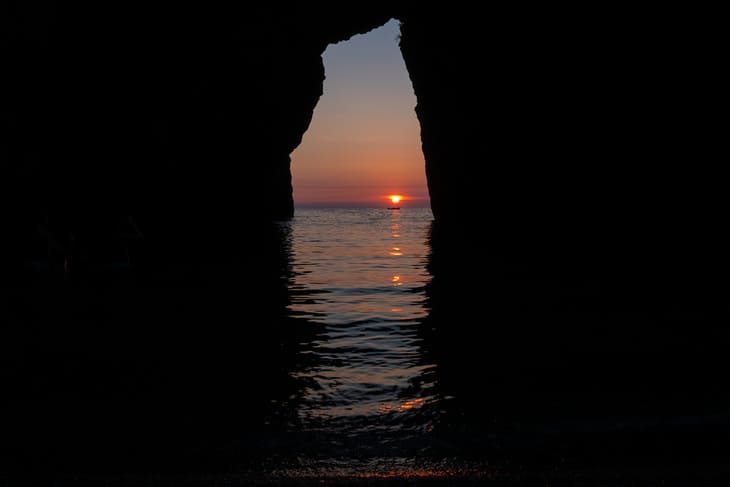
{"x": 182, "y": 118}
{"x": 577, "y": 140}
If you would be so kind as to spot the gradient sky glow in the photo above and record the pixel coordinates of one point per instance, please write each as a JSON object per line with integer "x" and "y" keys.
{"x": 364, "y": 140}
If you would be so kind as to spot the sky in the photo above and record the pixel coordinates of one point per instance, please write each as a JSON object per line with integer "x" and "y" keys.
{"x": 364, "y": 140}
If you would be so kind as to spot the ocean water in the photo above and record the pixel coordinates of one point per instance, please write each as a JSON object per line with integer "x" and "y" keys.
{"x": 362, "y": 275}
{"x": 359, "y": 277}
{"x": 426, "y": 358}
{"x": 357, "y": 344}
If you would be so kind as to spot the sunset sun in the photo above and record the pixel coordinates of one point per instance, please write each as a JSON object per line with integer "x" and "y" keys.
{"x": 395, "y": 198}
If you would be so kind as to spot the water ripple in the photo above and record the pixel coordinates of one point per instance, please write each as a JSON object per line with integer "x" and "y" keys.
{"x": 361, "y": 274}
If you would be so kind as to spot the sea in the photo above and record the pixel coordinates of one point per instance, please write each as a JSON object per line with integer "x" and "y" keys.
{"x": 432, "y": 359}
{"x": 351, "y": 346}
{"x": 359, "y": 277}
{"x": 361, "y": 274}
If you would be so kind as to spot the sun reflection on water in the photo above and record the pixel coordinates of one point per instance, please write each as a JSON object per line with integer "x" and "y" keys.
{"x": 404, "y": 407}
{"x": 365, "y": 291}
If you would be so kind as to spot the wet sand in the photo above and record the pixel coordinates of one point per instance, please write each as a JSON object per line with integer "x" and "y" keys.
{"x": 678, "y": 475}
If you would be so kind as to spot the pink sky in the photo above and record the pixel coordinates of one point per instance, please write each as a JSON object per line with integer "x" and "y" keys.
{"x": 364, "y": 140}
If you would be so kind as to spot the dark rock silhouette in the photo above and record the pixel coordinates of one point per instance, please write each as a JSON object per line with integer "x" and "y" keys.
{"x": 145, "y": 149}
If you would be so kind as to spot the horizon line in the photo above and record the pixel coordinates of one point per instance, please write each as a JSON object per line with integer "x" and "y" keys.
{"x": 354, "y": 205}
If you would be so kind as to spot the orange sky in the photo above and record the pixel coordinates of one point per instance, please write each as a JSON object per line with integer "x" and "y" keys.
{"x": 364, "y": 140}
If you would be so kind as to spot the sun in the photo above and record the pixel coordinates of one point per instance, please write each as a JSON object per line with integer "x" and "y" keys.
{"x": 395, "y": 198}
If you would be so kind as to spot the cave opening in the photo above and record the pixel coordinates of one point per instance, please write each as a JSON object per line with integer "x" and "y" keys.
{"x": 363, "y": 143}
{"x": 358, "y": 272}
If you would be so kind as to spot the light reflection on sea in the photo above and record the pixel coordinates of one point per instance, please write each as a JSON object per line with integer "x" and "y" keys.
{"x": 361, "y": 275}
